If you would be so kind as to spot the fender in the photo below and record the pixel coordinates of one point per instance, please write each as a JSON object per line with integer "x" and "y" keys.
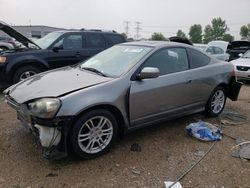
{"x": 25, "y": 60}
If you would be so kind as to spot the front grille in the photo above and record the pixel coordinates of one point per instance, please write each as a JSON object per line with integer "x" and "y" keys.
{"x": 242, "y": 68}
{"x": 10, "y": 101}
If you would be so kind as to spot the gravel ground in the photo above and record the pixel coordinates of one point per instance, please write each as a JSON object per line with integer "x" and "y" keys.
{"x": 166, "y": 151}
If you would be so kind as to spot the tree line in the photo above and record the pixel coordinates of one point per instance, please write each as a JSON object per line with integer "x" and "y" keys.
{"x": 217, "y": 30}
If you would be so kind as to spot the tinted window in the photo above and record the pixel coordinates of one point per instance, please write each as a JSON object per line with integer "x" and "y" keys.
{"x": 197, "y": 59}
{"x": 95, "y": 40}
{"x": 218, "y": 50}
{"x": 115, "y": 39}
{"x": 168, "y": 60}
{"x": 73, "y": 41}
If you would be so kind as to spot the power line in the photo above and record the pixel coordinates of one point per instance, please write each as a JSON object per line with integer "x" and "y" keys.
{"x": 137, "y": 28}
{"x": 127, "y": 27}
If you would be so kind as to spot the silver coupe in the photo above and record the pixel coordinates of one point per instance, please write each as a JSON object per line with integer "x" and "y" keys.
{"x": 83, "y": 108}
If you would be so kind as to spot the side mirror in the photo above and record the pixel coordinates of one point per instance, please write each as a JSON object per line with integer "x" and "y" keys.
{"x": 57, "y": 48}
{"x": 148, "y": 72}
{"x": 240, "y": 55}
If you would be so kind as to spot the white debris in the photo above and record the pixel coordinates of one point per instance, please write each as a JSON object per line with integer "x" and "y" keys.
{"x": 169, "y": 183}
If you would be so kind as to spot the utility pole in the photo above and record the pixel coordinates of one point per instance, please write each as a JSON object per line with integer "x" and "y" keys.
{"x": 137, "y": 28}
{"x": 127, "y": 27}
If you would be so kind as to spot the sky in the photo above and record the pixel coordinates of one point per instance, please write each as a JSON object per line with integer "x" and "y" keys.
{"x": 165, "y": 16}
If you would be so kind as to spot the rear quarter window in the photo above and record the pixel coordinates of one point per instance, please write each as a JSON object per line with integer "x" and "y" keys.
{"x": 197, "y": 59}
{"x": 114, "y": 39}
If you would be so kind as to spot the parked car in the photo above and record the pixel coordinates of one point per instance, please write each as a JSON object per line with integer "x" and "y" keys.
{"x": 9, "y": 40}
{"x": 218, "y": 50}
{"x": 5, "y": 46}
{"x": 242, "y": 66}
{"x": 127, "y": 86}
{"x": 57, "y": 49}
{"x": 201, "y": 47}
{"x": 237, "y": 47}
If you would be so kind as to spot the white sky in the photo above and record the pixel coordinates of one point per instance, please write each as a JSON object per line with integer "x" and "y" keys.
{"x": 166, "y": 16}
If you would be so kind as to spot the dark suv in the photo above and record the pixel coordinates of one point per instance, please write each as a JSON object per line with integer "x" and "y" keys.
{"x": 57, "y": 49}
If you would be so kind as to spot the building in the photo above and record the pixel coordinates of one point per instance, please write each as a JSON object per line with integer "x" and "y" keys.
{"x": 34, "y": 31}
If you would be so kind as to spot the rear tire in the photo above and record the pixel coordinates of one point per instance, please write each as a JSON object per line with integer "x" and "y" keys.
{"x": 216, "y": 102}
{"x": 24, "y": 72}
{"x": 93, "y": 134}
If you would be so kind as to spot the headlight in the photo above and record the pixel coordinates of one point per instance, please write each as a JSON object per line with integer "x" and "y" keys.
{"x": 44, "y": 108}
{"x": 2, "y": 59}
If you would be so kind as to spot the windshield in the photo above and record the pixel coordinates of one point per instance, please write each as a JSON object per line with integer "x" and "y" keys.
{"x": 116, "y": 60}
{"x": 48, "y": 39}
{"x": 247, "y": 54}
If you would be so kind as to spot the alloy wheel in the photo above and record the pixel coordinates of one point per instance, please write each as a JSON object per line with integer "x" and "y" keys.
{"x": 27, "y": 74}
{"x": 95, "y": 134}
{"x": 218, "y": 101}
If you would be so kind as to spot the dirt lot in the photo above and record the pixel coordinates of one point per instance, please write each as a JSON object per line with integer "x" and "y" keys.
{"x": 166, "y": 151}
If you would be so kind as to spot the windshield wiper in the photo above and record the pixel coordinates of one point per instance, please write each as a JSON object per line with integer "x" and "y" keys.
{"x": 94, "y": 70}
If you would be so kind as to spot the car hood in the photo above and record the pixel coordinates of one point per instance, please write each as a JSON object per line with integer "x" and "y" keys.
{"x": 241, "y": 62}
{"x": 18, "y": 36}
{"x": 54, "y": 83}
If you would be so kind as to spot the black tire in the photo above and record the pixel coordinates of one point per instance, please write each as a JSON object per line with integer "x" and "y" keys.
{"x": 18, "y": 75}
{"x": 80, "y": 127}
{"x": 210, "y": 109}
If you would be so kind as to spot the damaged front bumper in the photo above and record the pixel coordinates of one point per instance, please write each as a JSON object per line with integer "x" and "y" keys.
{"x": 52, "y": 133}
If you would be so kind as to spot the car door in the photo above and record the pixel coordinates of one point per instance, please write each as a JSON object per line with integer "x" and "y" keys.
{"x": 67, "y": 50}
{"x": 170, "y": 93}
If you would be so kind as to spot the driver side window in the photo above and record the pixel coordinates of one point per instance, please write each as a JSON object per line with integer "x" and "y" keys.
{"x": 168, "y": 60}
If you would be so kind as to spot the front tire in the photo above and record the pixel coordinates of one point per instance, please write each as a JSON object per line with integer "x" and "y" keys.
{"x": 216, "y": 102}
{"x": 24, "y": 72}
{"x": 93, "y": 134}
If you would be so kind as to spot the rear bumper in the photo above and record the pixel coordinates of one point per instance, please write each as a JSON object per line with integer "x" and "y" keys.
{"x": 234, "y": 89}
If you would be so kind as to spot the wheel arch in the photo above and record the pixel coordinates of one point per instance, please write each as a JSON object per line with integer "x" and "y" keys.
{"x": 224, "y": 85}
{"x": 34, "y": 63}
{"x": 114, "y": 110}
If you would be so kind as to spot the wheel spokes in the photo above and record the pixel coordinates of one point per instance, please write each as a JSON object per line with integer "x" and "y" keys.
{"x": 95, "y": 134}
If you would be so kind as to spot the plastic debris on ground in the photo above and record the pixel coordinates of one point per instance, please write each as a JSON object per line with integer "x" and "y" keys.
{"x": 232, "y": 118}
{"x": 204, "y": 131}
{"x": 169, "y": 183}
{"x": 243, "y": 150}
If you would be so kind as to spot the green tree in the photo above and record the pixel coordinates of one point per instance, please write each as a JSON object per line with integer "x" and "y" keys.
{"x": 227, "y": 37}
{"x": 195, "y": 33}
{"x": 216, "y": 31}
{"x": 208, "y": 34}
{"x": 181, "y": 34}
{"x": 158, "y": 36}
{"x": 245, "y": 32}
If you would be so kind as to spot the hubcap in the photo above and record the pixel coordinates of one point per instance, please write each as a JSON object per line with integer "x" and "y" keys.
{"x": 95, "y": 134}
{"x": 27, "y": 74}
{"x": 218, "y": 101}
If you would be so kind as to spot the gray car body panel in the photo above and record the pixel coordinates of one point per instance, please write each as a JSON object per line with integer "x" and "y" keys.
{"x": 54, "y": 83}
{"x": 140, "y": 102}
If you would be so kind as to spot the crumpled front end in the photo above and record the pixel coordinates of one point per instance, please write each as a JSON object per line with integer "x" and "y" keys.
{"x": 52, "y": 133}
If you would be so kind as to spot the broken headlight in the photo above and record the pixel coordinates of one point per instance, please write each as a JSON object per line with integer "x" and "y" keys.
{"x": 44, "y": 108}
